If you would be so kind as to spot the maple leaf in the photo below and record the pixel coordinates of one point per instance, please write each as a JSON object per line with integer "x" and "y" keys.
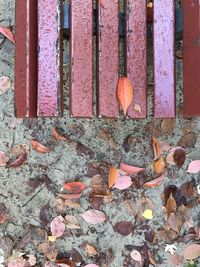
{"x": 170, "y": 248}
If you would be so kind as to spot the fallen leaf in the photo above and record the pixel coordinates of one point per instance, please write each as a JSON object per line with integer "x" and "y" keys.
{"x": 191, "y": 252}
{"x": 69, "y": 196}
{"x": 124, "y": 93}
{"x": 148, "y": 214}
{"x": 188, "y": 140}
{"x": 176, "y": 156}
{"x": 167, "y": 125}
{"x": 83, "y": 150}
{"x": 93, "y": 216}
{"x": 91, "y": 265}
{"x": 194, "y": 167}
{"x": 74, "y": 187}
{"x": 154, "y": 183}
{"x": 39, "y": 147}
{"x": 58, "y": 226}
{"x": 91, "y": 251}
{"x": 176, "y": 259}
{"x": 135, "y": 255}
{"x": 72, "y": 222}
{"x": 7, "y": 33}
{"x": 49, "y": 250}
{"x": 171, "y": 205}
{"x": 124, "y": 228}
{"x": 5, "y": 84}
{"x": 31, "y": 259}
{"x": 188, "y": 189}
{"x": 157, "y": 148}
{"x": 3, "y": 159}
{"x": 123, "y": 182}
{"x": 113, "y": 174}
{"x": 3, "y": 218}
{"x": 19, "y": 161}
{"x": 130, "y": 169}
{"x": 59, "y": 137}
{"x": 159, "y": 165}
{"x": 71, "y": 204}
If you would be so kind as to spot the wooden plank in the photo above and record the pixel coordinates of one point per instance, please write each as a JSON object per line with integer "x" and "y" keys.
{"x": 50, "y": 58}
{"x": 81, "y": 67}
{"x": 136, "y": 55}
{"x": 26, "y": 58}
{"x": 108, "y": 58}
{"x": 164, "y": 60}
{"x": 191, "y": 58}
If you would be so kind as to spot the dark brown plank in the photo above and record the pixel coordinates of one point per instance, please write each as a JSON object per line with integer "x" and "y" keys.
{"x": 81, "y": 67}
{"x": 136, "y": 55}
{"x": 164, "y": 60}
{"x": 26, "y": 58}
{"x": 50, "y": 58}
{"x": 191, "y": 58}
{"x": 108, "y": 59}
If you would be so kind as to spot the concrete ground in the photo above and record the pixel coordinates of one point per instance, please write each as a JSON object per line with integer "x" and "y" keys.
{"x": 28, "y": 192}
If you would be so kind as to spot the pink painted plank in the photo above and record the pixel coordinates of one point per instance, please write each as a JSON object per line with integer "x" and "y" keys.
{"x": 81, "y": 67}
{"x": 136, "y": 55}
{"x": 108, "y": 58}
{"x": 164, "y": 60}
{"x": 191, "y": 58}
{"x": 49, "y": 58}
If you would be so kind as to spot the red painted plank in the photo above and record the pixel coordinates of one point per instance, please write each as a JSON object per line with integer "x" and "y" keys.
{"x": 191, "y": 58}
{"x": 81, "y": 67}
{"x": 164, "y": 60}
{"x": 108, "y": 58}
{"x": 25, "y": 58}
{"x": 49, "y": 58}
{"x": 136, "y": 55}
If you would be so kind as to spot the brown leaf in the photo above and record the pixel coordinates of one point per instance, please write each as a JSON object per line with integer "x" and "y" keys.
{"x": 59, "y": 137}
{"x": 188, "y": 189}
{"x": 71, "y": 204}
{"x": 167, "y": 125}
{"x": 7, "y": 33}
{"x": 69, "y": 196}
{"x": 124, "y": 228}
{"x": 124, "y": 93}
{"x": 171, "y": 205}
{"x": 49, "y": 250}
{"x": 157, "y": 148}
{"x": 39, "y": 147}
{"x": 72, "y": 222}
{"x": 112, "y": 177}
{"x": 191, "y": 252}
{"x": 159, "y": 165}
{"x": 5, "y": 84}
{"x": 179, "y": 157}
{"x": 83, "y": 150}
{"x": 188, "y": 140}
{"x": 3, "y": 159}
{"x": 19, "y": 161}
{"x": 91, "y": 251}
{"x": 74, "y": 187}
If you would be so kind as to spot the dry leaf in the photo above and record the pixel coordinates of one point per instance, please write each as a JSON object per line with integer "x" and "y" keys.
{"x": 3, "y": 218}
{"x": 5, "y": 84}
{"x": 171, "y": 205}
{"x": 188, "y": 140}
{"x": 176, "y": 156}
{"x": 113, "y": 174}
{"x": 59, "y": 137}
{"x": 176, "y": 259}
{"x": 19, "y": 161}
{"x": 194, "y": 167}
{"x": 69, "y": 196}
{"x": 91, "y": 265}
{"x": 159, "y": 165}
{"x": 49, "y": 250}
{"x": 7, "y": 33}
{"x": 130, "y": 169}
{"x": 135, "y": 255}
{"x": 123, "y": 182}
{"x": 3, "y": 159}
{"x": 191, "y": 252}
{"x": 39, "y": 147}
{"x": 74, "y": 187}
{"x": 91, "y": 251}
{"x": 124, "y": 93}
{"x": 72, "y": 222}
{"x": 58, "y": 226}
{"x": 157, "y": 148}
{"x": 124, "y": 228}
{"x": 154, "y": 183}
{"x": 93, "y": 216}
{"x": 31, "y": 259}
{"x": 71, "y": 204}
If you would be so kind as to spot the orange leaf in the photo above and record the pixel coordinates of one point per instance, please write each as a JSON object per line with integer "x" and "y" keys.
{"x": 155, "y": 182}
{"x": 39, "y": 147}
{"x": 157, "y": 148}
{"x": 75, "y": 187}
{"x": 125, "y": 93}
{"x": 159, "y": 165}
{"x": 59, "y": 137}
{"x": 171, "y": 205}
{"x": 7, "y": 33}
{"x": 112, "y": 177}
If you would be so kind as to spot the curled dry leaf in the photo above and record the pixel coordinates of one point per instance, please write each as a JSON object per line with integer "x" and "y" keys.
{"x": 124, "y": 228}
{"x": 93, "y": 216}
{"x": 91, "y": 251}
{"x": 124, "y": 93}
{"x": 19, "y": 161}
{"x": 157, "y": 148}
{"x": 171, "y": 205}
{"x": 5, "y": 84}
{"x": 7, "y": 33}
{"x": 72, "y": 222}
{"x": 135, "y": 255}
{"x": 57, "y": 136}
{"x": 74, "y": 187}
{"x": 130, "y": 169}
{"x": 49, "y": 250}
{"x": 58, "y": 226}
{"x": 123, "y": 182}
{"x": 176, "y": 156}
{"x": 192, "y": 252}
{"x": 39, "y": 147}
{"x": 3, "y": 159}
{"x": 154, "y": 183}
{"x": 159, "y": 165}
{"x": 112, "y": 177}
{"x": 71, "y": 204}
{"x": 194, "y": 167}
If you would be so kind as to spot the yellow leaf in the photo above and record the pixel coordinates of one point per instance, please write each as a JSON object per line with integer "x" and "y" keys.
{"x": 112, "y": 177}
{"x": 52, "y": 238}
{"x": 125, "y": 93}
{"x": 148, "y": 214}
